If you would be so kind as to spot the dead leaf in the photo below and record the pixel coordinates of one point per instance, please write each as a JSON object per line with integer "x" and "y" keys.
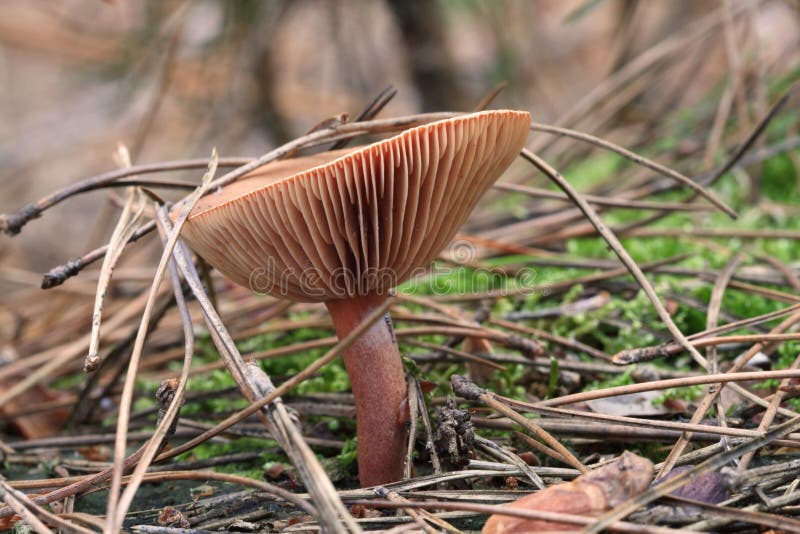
{"x": 95, "y": 453}
{"x": 34, "y": 425}
{"x": 632, "y": 405}
{"x": 590, "y": 494}
{"x": 201, "y": 492}
{"x": 172, "y": 517}
{"x": 7, "y": 523}
{"x": 709, "y": 488}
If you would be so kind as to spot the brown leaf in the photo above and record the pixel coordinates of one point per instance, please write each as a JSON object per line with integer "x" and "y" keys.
{"x": 95, "y": 453}
{"x": 529, "y": 458}
{"x": 590, "y": 494}
{"x": 709, "y": 487}
{"x": 201, "y": 492}
{"x": 675, "y": 405}
{"x": 275, "y": 471}
{"x": 7, "y": 523}
{"x": 427, "y": 386}
{"x": 361, "y": 512}
{"x": 172, "y": 517}
{"x": 34, "y": 425}
{"x": 631, "y": 405}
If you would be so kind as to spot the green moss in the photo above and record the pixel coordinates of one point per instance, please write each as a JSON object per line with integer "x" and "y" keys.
{"x": 779, "y": 179}
{"x": 689, "y": 393}
{"x": 349, "y": 453}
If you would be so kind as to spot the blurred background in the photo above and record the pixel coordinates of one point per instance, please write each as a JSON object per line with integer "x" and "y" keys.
{"x": 171, "y": 79}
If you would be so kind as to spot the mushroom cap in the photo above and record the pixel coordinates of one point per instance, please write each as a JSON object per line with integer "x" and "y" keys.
{"x": 356, "y": 221}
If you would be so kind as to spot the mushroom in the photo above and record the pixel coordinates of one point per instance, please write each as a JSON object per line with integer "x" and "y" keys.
{"x": 345, "y": 227}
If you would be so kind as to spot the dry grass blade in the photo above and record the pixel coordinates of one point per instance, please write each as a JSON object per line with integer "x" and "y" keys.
{"x": 467, "y": 356}
{"x": 412, "y": 513}
{"x": 371, "y": 110}
{"x": 12, "y": 495}
{"x": 618, "y": 249}
{"x": 5, "y": 449}
{"x": 785, "y": 524}
{"x": 547, "y": 336}
{"x": 744, "y": 338}
{"x": 331, "y": 510}
{"x": 126, "y": 225}
{"x": 705, "y": 404}
{"x": 413, "y": 416}
{"x": 738, "y": 154}
{"x": 641, "y": 354}
{"x": 640, "y": 160}
{"x": 493, "y": 449}
{"x": 606, "y": 432}
{"x": 489, "y": 97}
{"x": 754, "y": 135}
{"x": 426, "y": 422}
{"x": 54, "y": 359}
{"x": 714, "y": 306}
{"x": 647, "y": 60}
{"x": 669, "y": 383}
{"x": 769, "y": 414}
{"x": 20, "y": 509}
{"x": 604, "y": 201}
{"x": 535, "y": 445}
{"x": 113, "y": 521}
{"x": 81, "y": 484}
{"x": 646, "y": 423}
{"x": 157, "y": 441}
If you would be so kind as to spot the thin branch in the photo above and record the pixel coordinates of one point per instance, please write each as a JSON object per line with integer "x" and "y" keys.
{"x": 640, "y": 160}
{"x": 656, "y": 205}
{"x": 618, "y": 249}
{"x": 668, "y": 383}
{"x": 126, "y": 224}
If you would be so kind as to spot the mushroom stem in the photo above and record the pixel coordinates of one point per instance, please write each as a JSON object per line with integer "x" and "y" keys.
{"x": 378, "y": 381}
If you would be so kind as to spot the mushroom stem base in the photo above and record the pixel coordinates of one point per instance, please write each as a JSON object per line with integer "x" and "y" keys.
{"x": 378, "y": 381}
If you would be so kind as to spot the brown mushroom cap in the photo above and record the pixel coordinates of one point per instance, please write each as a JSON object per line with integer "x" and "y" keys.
{"x": 355, "y": 221}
